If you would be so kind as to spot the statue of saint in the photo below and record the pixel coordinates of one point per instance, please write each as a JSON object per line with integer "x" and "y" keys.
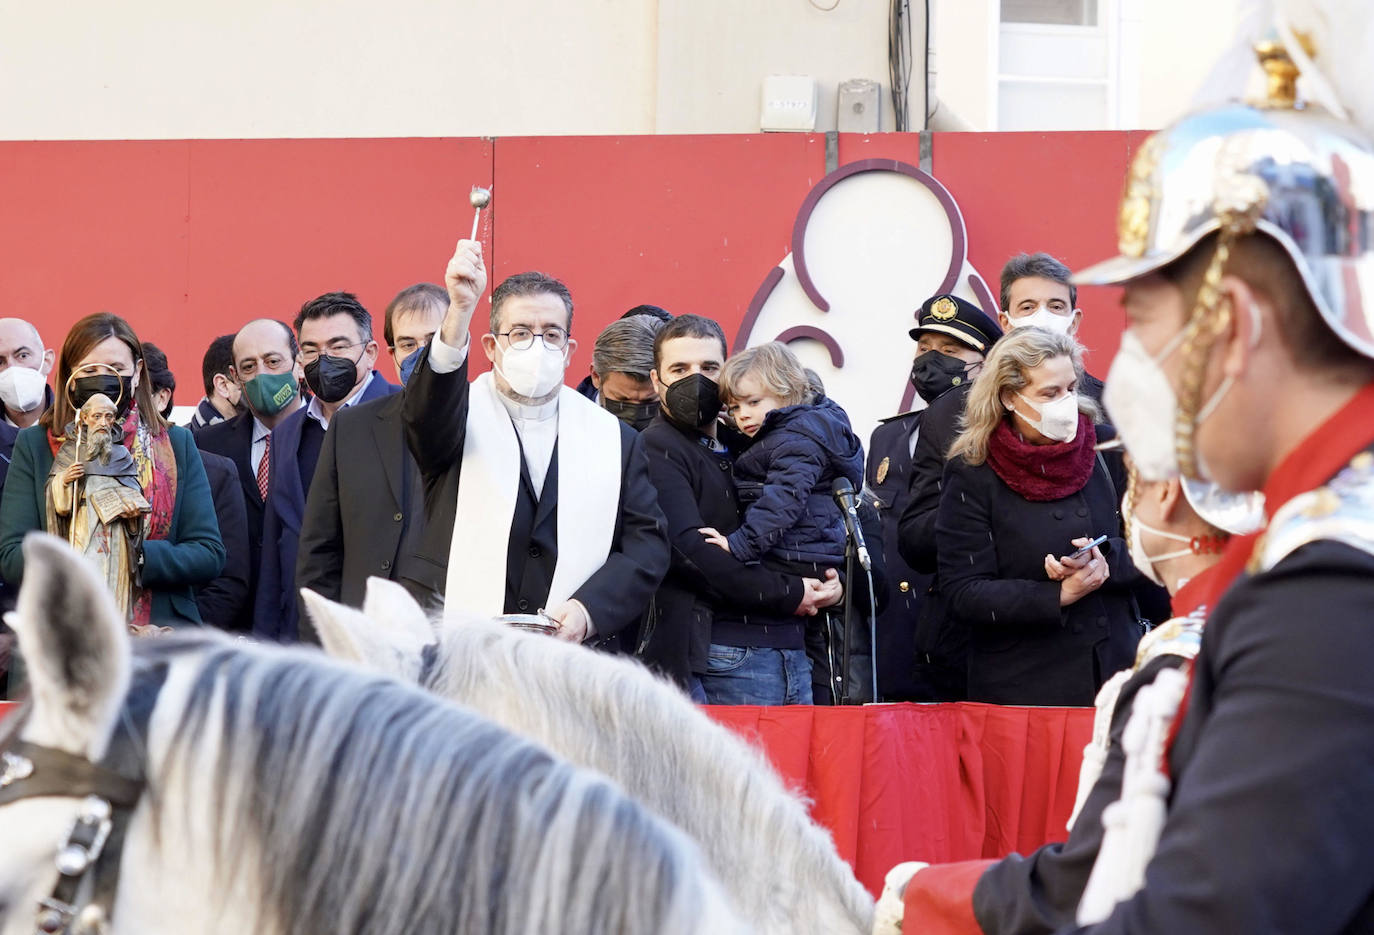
{"x": 95, "y": 500}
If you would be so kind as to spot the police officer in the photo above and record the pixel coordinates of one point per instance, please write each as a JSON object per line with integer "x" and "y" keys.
{"x": 952, "y": 336}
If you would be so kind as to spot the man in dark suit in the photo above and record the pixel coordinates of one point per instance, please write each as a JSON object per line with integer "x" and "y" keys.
{"x": 337, "y": 353}
{"x": 267, "y": 368}
{"x": 542, "y": 457}
{"x": 364, "y": 508}
{"x": 222, "y": 601}
{"x": 952, "y": 337}
{"x": 24, "y": 396}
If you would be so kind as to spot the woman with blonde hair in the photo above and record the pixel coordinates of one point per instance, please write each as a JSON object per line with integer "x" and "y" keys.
{"x": 1024, "y": 490}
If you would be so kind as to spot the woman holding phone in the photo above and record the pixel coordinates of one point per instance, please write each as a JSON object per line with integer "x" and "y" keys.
{"x": 1024, "y": 491}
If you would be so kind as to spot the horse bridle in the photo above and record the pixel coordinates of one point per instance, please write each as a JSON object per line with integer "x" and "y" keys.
{"x": 109, "y": 790}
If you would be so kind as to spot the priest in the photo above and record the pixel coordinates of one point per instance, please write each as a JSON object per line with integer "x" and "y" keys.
{"x": 535, "y": 498}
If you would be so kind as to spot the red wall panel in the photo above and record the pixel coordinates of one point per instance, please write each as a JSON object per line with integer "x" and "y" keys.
{"x": 1056, "y": 192}
{"x": 276, "y": 222}
{"x": 190, "y": 239}
{"x": 689, "y": 223}
{"x": 86, "y": 227}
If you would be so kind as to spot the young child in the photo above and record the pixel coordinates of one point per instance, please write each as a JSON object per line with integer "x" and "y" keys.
{"x": 801, "y": 443}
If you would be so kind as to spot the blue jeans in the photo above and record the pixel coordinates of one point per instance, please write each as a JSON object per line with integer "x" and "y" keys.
{"x": 756, "y": 675}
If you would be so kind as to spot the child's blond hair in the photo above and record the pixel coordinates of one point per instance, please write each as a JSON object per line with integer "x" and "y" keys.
{"x": 774, "y": 366}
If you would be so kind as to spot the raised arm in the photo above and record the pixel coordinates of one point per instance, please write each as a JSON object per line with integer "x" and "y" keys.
{"x": 436, "y": 398}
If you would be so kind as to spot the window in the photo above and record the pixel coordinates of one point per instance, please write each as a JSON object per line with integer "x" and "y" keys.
{"x": 1057, "y": 65}
{"x": 1050, "y": 12}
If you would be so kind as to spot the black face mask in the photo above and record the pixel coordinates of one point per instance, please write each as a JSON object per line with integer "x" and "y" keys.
{"x": 636, "y": 415}
{"x": 692, "y": 401}
{"x": 120, "y": 391}
{"x": 934, "y": 374}
{"x": 331, "y": 378}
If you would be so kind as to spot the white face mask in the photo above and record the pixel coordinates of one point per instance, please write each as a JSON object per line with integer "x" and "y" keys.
{"x": 22, "y": 389}
{"x": 1058, "y": 417}
{"x": 1146, "y": 563}
{"x": 533, "y": 372}
{"x": 1042, "y": 317}
{"x": 1141, "y": 403}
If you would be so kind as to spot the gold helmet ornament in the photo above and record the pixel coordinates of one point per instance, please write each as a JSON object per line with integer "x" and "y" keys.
{"x": 1300, "y": 172}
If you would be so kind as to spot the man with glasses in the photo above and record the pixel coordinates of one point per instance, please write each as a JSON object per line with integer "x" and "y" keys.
{"x": 535, "y": 497}
{"x": 363, "y": 508}
{"x": 337, "y": 354}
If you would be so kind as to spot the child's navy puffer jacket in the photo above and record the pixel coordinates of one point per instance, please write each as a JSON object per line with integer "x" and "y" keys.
{"x": 785, "y": 480}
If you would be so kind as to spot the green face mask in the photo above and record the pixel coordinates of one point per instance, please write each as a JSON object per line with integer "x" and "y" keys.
{"x": 270, "y": 393}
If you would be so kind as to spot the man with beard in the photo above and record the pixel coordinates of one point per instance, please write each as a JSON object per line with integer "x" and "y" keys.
{"x": 952, "y": 336}
{"x": 95, "y": 501}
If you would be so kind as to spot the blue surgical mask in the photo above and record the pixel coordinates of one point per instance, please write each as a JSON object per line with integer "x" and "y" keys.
{"x": 408, "y": 365}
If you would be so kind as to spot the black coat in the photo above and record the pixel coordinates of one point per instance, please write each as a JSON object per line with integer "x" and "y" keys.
{"x": 916, "y": 527}
{"x": 1023, "y": 647}
{"x": 939, "y": 428}
{"x": 222, "y": 601}
{"x": 708, "y": 594}
{"x": 435, "y": 411}
{"x": 888, "y": 478}
{"x": 234, "y": 440}
{"x": 785, "y": 480}
{"x": 1269, "y": 817}
{"x": 363, "y": 511}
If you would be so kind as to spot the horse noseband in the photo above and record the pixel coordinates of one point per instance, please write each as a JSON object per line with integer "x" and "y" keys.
{"x": 92, "y": 845}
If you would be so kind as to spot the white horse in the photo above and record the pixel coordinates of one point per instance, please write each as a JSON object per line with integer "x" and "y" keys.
{"x": 273, "y": 791}
{"x": 779, "y": 868}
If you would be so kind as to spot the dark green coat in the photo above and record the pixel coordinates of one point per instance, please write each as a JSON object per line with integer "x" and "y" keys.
{"x": 191, "y": 555}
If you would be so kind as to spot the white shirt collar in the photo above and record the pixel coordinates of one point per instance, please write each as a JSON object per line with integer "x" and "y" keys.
{"x": 260, "y": 431}
{"x": 524, "y": 413}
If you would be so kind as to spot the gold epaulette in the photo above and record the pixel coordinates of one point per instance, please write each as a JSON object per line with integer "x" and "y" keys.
{"x": 1342, "y": 511}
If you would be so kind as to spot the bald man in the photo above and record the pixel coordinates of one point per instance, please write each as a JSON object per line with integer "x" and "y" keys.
{"x": 24, "y": 395}
{"x": 24, "y": 392}
{"x": 267, "y": 368}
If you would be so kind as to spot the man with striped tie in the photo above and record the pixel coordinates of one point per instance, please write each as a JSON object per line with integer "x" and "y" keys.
{"x": 266, "y": 365}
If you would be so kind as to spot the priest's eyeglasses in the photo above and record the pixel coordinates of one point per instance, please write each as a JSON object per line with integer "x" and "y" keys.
{"x": 522, "y": 338}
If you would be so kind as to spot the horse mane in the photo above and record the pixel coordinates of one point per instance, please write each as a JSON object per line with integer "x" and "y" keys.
{"x": 354, "y": 804}
{"x": 612, "y": 715}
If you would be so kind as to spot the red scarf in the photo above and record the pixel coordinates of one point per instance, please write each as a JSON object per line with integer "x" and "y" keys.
{"x": 1043, "y": 472}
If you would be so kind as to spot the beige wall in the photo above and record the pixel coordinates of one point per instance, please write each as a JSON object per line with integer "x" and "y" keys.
{"x": 307, "y": 68}
{"x": 149, "y": 69}
{"x": 713, "y": 55}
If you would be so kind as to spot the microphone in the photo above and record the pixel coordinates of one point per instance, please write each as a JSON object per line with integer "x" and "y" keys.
{"x": 848, "y": 503}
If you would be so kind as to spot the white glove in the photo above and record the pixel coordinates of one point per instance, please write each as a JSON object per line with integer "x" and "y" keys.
{"x": 887, "y": 914}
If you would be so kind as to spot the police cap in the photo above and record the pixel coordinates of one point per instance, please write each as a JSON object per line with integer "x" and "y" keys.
{"x": 961, "y": 320}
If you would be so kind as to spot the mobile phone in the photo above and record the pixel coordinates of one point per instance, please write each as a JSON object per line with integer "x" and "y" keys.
{"x": 1089, "y": 547}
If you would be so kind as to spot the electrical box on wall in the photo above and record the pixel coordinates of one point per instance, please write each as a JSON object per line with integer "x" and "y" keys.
{"x": 859, "y": 106}
{"x": 789, "y": 103}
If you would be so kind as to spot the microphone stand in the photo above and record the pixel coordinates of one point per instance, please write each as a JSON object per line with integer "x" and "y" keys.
{"x": 850, "y": 560}
{"x": 847, "y": 624}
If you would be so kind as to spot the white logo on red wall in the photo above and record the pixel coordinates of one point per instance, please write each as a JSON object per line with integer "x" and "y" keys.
{"x": 872, "y": 241}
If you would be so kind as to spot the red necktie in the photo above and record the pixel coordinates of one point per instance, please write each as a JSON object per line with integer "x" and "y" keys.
{"x": 262, "y": 466}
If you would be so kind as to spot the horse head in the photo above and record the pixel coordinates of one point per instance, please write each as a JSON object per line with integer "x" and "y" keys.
{"x": 76, "y": 649}
{"x": 266, "y": 789}
{"x": 610, "y": 714}
{"x": 389, "y": 634}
